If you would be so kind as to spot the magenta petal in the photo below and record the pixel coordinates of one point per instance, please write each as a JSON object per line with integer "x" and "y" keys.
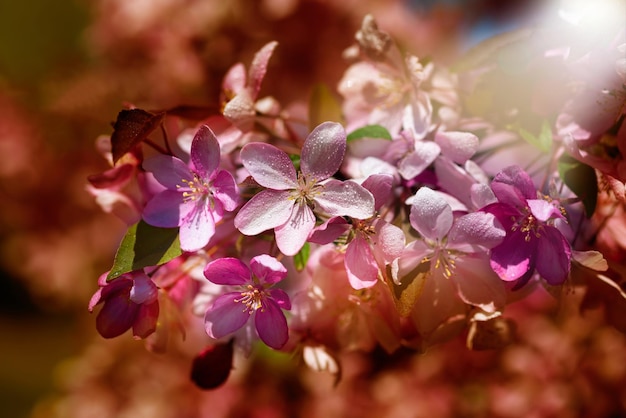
{"x": 225, "y": 316}
{"x": 116, "y": 316}
{"x": 513, "y": 257}
{"x": 269, "y": 166}
{"x": 167, "y": 170}
{"x": 197, "y": 228}
{"x": 225, "y": 190}
{"x": 360, "y": 264}
{"x": 164, "y": 209}
{"x": 543, "y": 210}
{"x": 266, "y": 210}
{"x": 146, "y": 319}
{"x": 143, "y": 290}
{"x": 228, "y": 271}
{"x": 205, "y": 152}
{"x": 329, "y": 231}
{"x": 281, "y": 298}
{"x": 553, "y": 256}
{"x": 346, "y": 198}
{"x": 323, "y": 151}
{"x": 513, "y": 186}
{"x": 379, "y": 185}
{"x": 271, "y": 325}
{"x": 291, "y": 236}
{"x": 267, "y": 269}
{"x": 430, "y": 214}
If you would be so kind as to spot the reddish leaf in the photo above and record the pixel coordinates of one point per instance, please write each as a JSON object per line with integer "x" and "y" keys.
{"x": 131, "y": 128}
{"x": 211, "y": 368}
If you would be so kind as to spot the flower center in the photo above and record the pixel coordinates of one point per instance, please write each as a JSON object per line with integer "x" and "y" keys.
{"x": 252, "y": 298}
{"x": 198, "y": 189}
{"x": 307, "y": 189}
{"x": 529, "y": 226}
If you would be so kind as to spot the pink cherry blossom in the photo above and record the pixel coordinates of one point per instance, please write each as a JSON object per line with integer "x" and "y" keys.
{"x": 252, "y": 299}
{"x": 291, "y": 200}
{"x": 455, "y": 250}
{"x": 130, "y": 301}
{"x": 532, "y": 242}
{"x": 195, "y": 195}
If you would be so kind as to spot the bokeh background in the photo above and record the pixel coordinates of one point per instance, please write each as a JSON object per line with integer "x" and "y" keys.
{"x": 67, "y": 67}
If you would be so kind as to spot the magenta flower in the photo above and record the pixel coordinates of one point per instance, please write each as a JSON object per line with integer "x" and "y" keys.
{"x": 130, "y": 301}
{"x": 196, "y": 195}
{"x": 290, "y": 201}
{"x": 532, "y": 242}
{"x": 253, "y": 299}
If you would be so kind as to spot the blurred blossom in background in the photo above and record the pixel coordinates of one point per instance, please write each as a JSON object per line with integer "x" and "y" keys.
{"x": 68, "y": 67}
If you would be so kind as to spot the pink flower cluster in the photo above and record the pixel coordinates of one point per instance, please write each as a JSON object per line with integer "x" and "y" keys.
{"x": 387, "y": 226}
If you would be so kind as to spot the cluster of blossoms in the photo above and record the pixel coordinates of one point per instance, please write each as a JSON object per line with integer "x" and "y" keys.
{"x": 394, "y": 219}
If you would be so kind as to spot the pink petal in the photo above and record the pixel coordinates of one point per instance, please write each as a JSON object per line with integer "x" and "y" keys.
{"x": 458, "y": 146}
{"x": 478, "y": 285}
{"x": 167, "y": 170}
{"x": 553, "y": 256}
{"x": 271, "y": 325}
{"x": 225, "y": 190}
{"x": 513, "y": 186}
{"x": 266, "y": 210}
{"x": 430, "y": 214}
{"x": 543, "y": 210}
{"x": 329, "y": 231}
{"x": 143, "y": 290}
{"x": 225, "y": 316}
{"x": 478, "y": 228}
{"x": 360, "y": 264}
{"x": 323, "y": 151}
{"x": 235, "y": 79}
{"x": 205, "y": 152}
{"x": 240, "y": 110}
{"x": 379, "y": 185}
{"x": 164, "y": 209}
{"x": 291, "y": 236}
{"x": 258, "y": 68}
{"x": 345, "y": 198}
{"x": 197, "y": 228}
{"x": 267, "y": 269}
{"x": 390, "y": 240}
{"x": 418, "y": 160}
{"x": 269, "y": 166}
{"x": 228, "y": 271}
{"x": 437, "y": 303}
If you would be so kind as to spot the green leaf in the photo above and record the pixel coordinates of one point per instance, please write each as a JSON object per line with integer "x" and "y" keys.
{"x": 582, "y": 180}
{"x": 542, "y": 141}
{"x": 143, "y": 246}
{"x": 370, "y": 131}
{"x": 323, "y": 106}
{"x": 302, "y": 257}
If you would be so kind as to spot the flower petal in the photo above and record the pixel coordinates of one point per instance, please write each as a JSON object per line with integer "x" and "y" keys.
{"x": 225, "y": 190}
{"x": 146, "y": 319}
{"x": 144, "y": 290}
{"x": 478, "y": 285}
{"x": 379, "y": 185}
{"x": 323, "y": 151}
{"x": 258, "y": 67}
{"x": 430, "y": 214}
{"x": 197, "y": 228}
{"x": 225, "y": 316}
{"x": 414, "y": 163}
{"x": 266, "y": 210}
{"x": 477, "y": 228}
{"x": 164, "y": 209}
{"x": 513, "y": 257}
{"x": 228, "y": 271}
{"x": 281, "y": 298}
{"x": 291, "y": 236}
{"x": 116, "y": 316}
{"x": 458, "y": 146}
{"x": 267, "y": 269}
{"x": 169, "y": 171}
{"x": 360, "y": 264}
{"x": 346, "y": 198}
{"x": 543, "y": 210}
{"x": 513, "y": 186}
{"x": 205, "y": 152}
{"x": 553, "y": 256}
{"x": 269, "y": 166}
{"x": 271, "y": 324}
